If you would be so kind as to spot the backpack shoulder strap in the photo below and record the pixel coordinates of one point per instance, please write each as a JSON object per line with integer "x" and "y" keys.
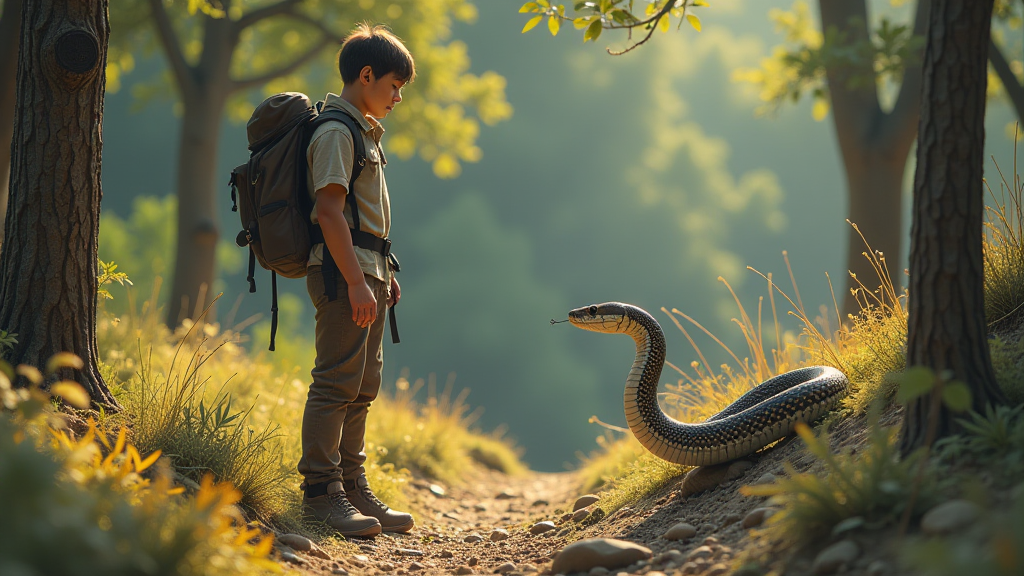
{"x": 359, "y": 149}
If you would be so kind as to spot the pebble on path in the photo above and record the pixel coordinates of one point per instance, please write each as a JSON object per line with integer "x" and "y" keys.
{"x": 472, "y": 538}
{"x": 446, "y": 554}
{"x": 386, "y": 567}
{"x": 436, "y": 490}
{"x": 717, "y": 570}
{"x": 473, "y": 561}
{"x": 499, "y": 534}
{"x": 580, "y": 514}
{"x": 542, "y": 527}
{"x": 756, "y": 517}
{"x": 830, "y": 559}
{"x": 584, "y": 501}
{"x": 463, "y": 570}
{"x": 409, "y": 552}
{"x": 339, "y": 571}
{"x": 949, "y": 517}
{"x": 583, "y": 555}
{"x": 729, "y": 520}
{"x": 296, "y": 542}
{"x": 680, "y": 531}
{"x": 700, "y": 552}
{"x": 505, "y": 568}
{"x": 293, "y": 558}
{"x": 504, "y": 495}
{"x": 416, "y": 566}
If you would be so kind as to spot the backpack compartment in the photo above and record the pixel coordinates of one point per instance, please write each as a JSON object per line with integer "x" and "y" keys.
{"x": 281, "y": 218}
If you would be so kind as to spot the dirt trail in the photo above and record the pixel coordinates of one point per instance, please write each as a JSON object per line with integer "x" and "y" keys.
{"x": 451, "y": 515}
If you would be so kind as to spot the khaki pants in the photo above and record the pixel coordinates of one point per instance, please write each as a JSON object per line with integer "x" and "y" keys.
{"x": 346, "y": 378}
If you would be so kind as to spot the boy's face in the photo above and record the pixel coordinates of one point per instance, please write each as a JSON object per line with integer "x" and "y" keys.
{"x": 380, "y": 95}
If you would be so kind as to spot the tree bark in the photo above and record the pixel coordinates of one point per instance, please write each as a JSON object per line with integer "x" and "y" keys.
{"x": 946, "y": 324}
{"x": 10, "y": 24}
{"x": 48, "y": 266}
{"x": 874, "y": 144}
{"x": 198, "y": 230}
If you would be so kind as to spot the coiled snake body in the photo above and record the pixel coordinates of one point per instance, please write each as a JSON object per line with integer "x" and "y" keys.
{"x": 763, "y": 415}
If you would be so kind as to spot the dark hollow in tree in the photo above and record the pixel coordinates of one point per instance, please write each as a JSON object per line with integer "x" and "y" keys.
{"x": 946, "y": 324}
{"x": 48, "y": 261}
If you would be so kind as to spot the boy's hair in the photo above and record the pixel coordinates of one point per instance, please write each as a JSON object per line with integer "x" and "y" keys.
{"x": 378, "y": 48}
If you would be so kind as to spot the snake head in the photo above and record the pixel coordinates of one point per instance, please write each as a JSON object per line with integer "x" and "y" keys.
{"x": 607, "y": 317}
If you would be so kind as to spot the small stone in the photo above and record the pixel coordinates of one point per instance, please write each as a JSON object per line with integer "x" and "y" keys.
{"x": 949, "y": 517}
{"x": 598, "y": 571}
{"x": 583, "y": 555}
{"x": 756, "y": 517}
{"x": 386, "y": 567}
{"x": 499, "y": 534}
{"x": 472, "y": 538}
{"x": 729, "y": 520}
{"x": 409, "y": 552}
{"x": 830, "y": 559}
{"x": 416, "y": 566}
{"x": 361, "y": 558}
{"x": 526, "y": 568}
{"x": 717, "y": 570}
{"x": 505, "y": 568}
{"x": 296, "y": 542}
{"x": 707, "y": 527}
{"x": 480, "y": 507}
{"x": 436, "y": 490}
{"x": 339, "y": 571}
{"x": 691, "y": 568}
{"x": 584, "y": 501}
{"x": 655, "y": 573}
{"x": 319, "y": 552}
{"x": 766, "y": 478}
{"x": 504, "y": 495}
{"x": 463, "y": 570}
{"x": 542, "y": 527}
{"x": 446, "y": 554}
{"x": 669, "y": 557}
{"x": 680, "y": 531}
{"x": 293, "y": 558}
{"x": 368, "y": 548}
{"x": 710, "y": 540}
{"x": 473, "y": 561}
{"x": 580, "y": 514}
{"x": 877, "y": 568}
{"x": 700, "y": 552}
{"x": 540, "y": 503}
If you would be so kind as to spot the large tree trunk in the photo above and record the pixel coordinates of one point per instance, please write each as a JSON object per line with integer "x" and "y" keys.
{"x": 946, "y": 325}
{"x": 10, "y": 23}
{"x": 874, "y": 144}
{"x": 198, "y": 229}
{"x": 48, "y": 266}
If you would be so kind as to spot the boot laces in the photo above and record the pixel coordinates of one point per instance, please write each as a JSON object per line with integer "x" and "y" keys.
{"x": 369, "y": 496}
{"x": 340, "y": 502}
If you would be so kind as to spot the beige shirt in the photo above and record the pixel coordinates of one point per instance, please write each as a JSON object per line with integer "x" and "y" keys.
{"x": 330, "y": 158}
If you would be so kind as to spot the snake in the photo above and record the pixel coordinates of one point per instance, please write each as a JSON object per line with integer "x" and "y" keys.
{"x": 766, "y": 413}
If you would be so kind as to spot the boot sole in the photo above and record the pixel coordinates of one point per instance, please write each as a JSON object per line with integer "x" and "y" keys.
{"x": 370, "y": 531}
{"x": 401, "y": 527}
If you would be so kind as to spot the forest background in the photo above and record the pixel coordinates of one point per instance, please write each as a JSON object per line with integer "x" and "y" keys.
{"x": 641, "y": 178}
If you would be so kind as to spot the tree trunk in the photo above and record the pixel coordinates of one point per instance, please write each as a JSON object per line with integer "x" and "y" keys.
{"x": 946, "y": 325}
{"x": 198, "y": 230}
{"x": 874, "y": 144}
{"x": 48, "y": 278}
{"x": 10, "y": 24}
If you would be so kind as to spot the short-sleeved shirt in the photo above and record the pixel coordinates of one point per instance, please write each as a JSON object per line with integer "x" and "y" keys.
{"x": 330, "y": 158}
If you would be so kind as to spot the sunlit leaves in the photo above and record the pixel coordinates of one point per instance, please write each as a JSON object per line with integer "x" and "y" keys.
{"x": 531, "y": 23}
{"x": 593, "y": 17}
{"x": 694, "y": 21}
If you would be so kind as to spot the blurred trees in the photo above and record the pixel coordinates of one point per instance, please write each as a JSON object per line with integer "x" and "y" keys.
{"x": 10, "y": 24}
{"x": 48, "y": 263}
{"x": 220, "y": 51}
{"x": 867, "y": 72}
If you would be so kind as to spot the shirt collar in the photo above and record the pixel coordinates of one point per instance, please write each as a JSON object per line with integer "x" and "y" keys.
{"x": 368, "y": 125}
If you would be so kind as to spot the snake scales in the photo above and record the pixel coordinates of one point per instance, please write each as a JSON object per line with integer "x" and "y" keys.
{"x": 766, "y": 413}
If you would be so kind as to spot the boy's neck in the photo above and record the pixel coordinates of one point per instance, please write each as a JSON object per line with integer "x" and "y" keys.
{"x": 353, "y": 95}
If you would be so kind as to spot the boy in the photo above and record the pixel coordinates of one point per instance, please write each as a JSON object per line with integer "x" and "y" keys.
{"x": 351, "y": 285}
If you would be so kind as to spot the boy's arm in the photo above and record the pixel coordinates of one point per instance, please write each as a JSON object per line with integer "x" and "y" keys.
{"x": 330, "y": 201}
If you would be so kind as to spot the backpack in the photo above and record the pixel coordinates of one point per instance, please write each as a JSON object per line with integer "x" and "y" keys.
{"x": 271, "y": 195}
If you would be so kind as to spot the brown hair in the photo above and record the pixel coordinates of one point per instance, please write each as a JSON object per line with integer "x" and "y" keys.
{"x": 378, "y": 48}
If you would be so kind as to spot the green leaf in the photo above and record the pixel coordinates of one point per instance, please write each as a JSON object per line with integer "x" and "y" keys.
{"x": 531, "y": 23}
{"x": 914, "y": 382}
{"x": 694, "y": 21}
{"x": 554, "y": 24}
{"x": 582, "y": 22}
{"x": 956, "y": 396}
{"x": 847, "y": 525}
{"x": 593, "y": 31}
{"x": 529, "y": 7}
{"x": 72, "y": 393}
{"x": 696, "y": 3}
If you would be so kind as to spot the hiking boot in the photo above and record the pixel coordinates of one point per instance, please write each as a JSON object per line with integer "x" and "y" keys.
{"x": 333, "y": 509}
{"x": 360, "y": 495}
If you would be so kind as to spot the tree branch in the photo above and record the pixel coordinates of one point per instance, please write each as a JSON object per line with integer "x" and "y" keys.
{"x": 172, "y": 47}
{"x": 652, "y": 21}
{"x": 902, "y": 120}
{"x": 1013, "y": 87}
{"x": 298, "y": 62}
{"x": 258, "y": 15}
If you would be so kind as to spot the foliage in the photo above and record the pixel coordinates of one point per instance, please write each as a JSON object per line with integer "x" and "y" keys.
{"x": 595, "y": 17}
{"x": 95, "y": 501}
{"x": 798, "y": 66}
{"x": 287, "y": 46}
{"x": 1008, "y": 363}
{"x": 108, "y": 274}
{"x": 1004, "y": 253}
{"x": 994, "y": 440}
{"x": 870, "y": 488}
{"x": 7, "y": 342}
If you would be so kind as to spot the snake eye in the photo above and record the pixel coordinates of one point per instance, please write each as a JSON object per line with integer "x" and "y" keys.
{"x": 592, "y": 310}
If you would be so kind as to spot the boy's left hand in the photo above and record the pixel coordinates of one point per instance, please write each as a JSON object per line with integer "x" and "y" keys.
{"x": 396, "y": 292}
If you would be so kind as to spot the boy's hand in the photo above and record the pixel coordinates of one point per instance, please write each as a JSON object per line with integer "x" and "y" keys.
{"x": 364, "y": 305}
{"x": 396, "y": 292}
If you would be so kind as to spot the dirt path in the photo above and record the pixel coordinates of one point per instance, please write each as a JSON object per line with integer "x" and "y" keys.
{"x": 456, "y": 533}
